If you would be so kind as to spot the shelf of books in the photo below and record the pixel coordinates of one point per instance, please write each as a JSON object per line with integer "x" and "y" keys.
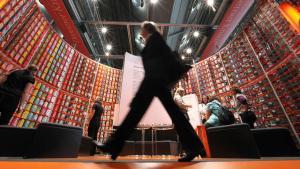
{"x": 21, "y": 35}
{"x": 107, "y": 88}
{"x": 39, "y": 106}
{"x": 70, "y": 109}
{"x": 67, "y": 82}
{"x": 80, "y": 76}
{"x": 53, "y": 59}
{"x": 263, "y": 60}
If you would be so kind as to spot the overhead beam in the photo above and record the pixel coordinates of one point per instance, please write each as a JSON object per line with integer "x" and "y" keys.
{"x": 74, "y": 9}
{"x": 121, "y": 23}
{"x": 129, "y": 38}
{"x": 111, "y": 56}
{"x": 176, "y": 33}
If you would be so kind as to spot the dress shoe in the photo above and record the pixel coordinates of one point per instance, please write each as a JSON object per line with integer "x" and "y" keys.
{"x": 190, "y": 156}
{"x": 114, "y": 153}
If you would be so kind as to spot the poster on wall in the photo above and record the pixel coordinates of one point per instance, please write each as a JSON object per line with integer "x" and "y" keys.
{"x": 133, "y": 74}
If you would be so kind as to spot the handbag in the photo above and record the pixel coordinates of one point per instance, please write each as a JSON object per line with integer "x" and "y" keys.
{"x": 226, "y": 116}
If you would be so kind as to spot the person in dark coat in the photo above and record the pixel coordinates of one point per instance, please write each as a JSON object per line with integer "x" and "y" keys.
{"x": 95, "y": 120}
{"x": 14, "y": 90}
{"x": 160, "y": 71}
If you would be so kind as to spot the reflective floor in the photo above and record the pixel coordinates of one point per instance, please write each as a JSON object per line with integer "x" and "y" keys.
{"x": 148, "y": 162}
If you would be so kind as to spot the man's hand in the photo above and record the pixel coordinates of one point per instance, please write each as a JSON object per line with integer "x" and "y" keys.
{"x": 189, "y": 106}
{"x": 22, "y": 107}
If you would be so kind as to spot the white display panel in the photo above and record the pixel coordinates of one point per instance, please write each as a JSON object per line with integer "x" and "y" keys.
{"x": 133, "y": 74}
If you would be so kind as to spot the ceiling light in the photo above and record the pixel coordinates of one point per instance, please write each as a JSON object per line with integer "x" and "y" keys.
{"x": 182, "y": 57}
{"x": 107, "y": 54}
{"x": 188, "y": 50}
{"x": 153, "y": 1}
{"x": 108, "y": 47}
{"x": 210, "y": 3}
{"x": 196, "y": 34}
{"x": 104, "y": 30}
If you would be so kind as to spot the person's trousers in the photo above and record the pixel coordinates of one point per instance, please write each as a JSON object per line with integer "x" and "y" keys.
{"x": 8, "y": 105}
{"x": 140, "y": 103}
{"x": 93, "y": 130}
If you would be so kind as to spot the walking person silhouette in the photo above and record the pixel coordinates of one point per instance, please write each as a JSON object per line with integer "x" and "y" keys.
{"x": 160, "y": 72}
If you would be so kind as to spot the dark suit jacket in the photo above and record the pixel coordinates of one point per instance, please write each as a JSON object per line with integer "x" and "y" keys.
{"x": 97, "y": 115}
{"x": 156, "y": 57}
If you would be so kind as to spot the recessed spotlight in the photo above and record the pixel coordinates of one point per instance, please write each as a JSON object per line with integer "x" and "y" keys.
{"x": 189, "y": 51}
{"x": 182, "y": 57}
{"x": 153, "y": 1}
{"x": 108, "y": 47}
{"x": 107, "y": 54}
{"x": 210, "y": 3}
{"x": 104, "y": 30}
{"x": 196, "y": 34}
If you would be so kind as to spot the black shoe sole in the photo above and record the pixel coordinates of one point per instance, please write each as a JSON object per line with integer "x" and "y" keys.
{"x": 113, "y": 154}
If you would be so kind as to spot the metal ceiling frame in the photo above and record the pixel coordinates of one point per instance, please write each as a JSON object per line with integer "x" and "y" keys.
{"x": 128, "y": 24}
{"x": 123, "y": 23}
{"x": 111, "y": 56}
{"x": 129, "y": 38}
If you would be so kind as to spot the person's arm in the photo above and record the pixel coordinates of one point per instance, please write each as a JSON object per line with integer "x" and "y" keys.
{"x": 4, "y": 76}
{"x": 25, "y": 95}
{"x": 180, "y": 103}
{"x": 208, "y": 119}
{"x": 183, "y": 105}
{"x": 29, "y": 78}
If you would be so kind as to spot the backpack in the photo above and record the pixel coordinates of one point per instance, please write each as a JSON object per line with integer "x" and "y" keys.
{"x": 226, "y": 116}
{"x": 248, "y": 117}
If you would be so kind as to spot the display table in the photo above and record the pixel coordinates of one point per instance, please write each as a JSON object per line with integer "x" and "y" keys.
{"x": 143, "y": 128}
{"x": 201, "y": 131}
{"x": 155, "y": 129}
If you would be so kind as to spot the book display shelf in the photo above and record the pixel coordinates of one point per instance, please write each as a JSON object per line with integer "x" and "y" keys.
{"x": 67, "y": 82}
{"x": 263, "y": 60}
{"x": 107, "y": 86}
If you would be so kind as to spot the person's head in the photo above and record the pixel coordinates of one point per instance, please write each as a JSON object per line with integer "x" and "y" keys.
{"x": 204, "y": 99}
{"x": 147, "y": 29}
{"x": 236, "y": 90}
{"x": 98, "y": 100}
{"x": 32, "y": 68}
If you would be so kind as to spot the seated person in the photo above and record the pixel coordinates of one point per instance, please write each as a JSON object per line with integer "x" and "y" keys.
{"x": 214, "y": 109}
{"x": 203, "y": 108}
{"x": 243, "y": 108}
